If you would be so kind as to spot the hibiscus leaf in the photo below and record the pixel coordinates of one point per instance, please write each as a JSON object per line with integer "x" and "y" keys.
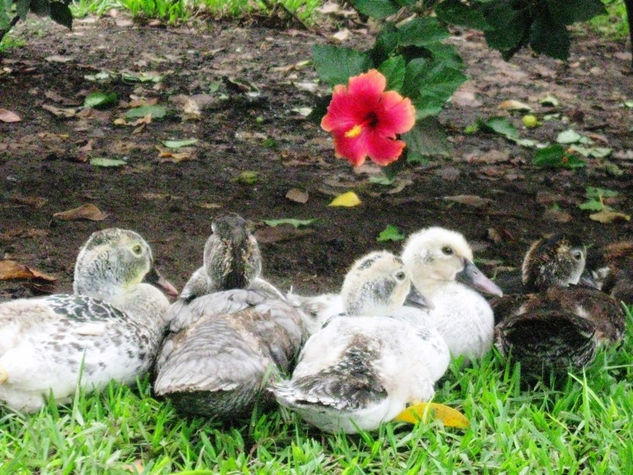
{"x": 335, "y": 64}
{"x": 390, "y": 233}
{"x": 458, "y": 13}
{"x": 571, "y": 11}
{"x": 430, "y": 85}
{"x": 549, "y": 37}
{"x": 376, "y": 8}
{"x": 394, "y": 70}
{"x": 426, "y": 139}
{"x": 422, "y": 32}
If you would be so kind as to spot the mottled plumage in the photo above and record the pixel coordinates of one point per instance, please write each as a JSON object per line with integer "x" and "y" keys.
{"x": 440, "y": 263}
{"x": 363, "y": 367}
{"x": 558, "y": 325}
{"x": 227, "y": 342}
{"x": 612, "y": 269}
{"x": 109, "y": 329}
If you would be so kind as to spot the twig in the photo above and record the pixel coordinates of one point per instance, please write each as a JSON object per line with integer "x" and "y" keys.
{"x": 11, "y": 25}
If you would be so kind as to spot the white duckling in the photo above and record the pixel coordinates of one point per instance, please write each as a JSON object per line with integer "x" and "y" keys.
{"x": 440, "y": 262}
{"x": 225, "y": 346}
{"x": 109, "y": 329}
{"x": 359, "y": 371}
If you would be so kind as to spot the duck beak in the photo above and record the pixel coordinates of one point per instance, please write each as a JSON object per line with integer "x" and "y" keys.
{"x": 473, "y": 277}
{"x": 153, "y": 277}
{"x": 416, "y": 299}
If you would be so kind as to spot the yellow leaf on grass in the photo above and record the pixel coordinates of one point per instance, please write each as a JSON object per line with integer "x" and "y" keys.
{"x": 428, "y": 411}
{"x": 87, "y": 211}
{"x": 606, "y": 216}
{"x": 10, "y": 270}
{"x": 348, "y": 200}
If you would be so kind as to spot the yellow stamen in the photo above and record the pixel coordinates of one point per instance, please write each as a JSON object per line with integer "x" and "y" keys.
{"x": 354, "y": 131}
{"x": 4, "y": 376}
{"x": 426, "y": 411}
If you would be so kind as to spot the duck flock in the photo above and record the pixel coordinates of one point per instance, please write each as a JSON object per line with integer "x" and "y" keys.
{"x": 344, "y": 361}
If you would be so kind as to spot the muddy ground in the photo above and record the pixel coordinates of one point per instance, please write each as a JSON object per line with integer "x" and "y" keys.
{"x": 249, "y": 84}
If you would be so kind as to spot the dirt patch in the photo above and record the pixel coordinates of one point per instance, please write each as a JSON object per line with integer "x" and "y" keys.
{"x": 250, "y": 86}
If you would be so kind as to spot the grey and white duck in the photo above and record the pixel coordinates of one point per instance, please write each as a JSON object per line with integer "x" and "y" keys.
{"x": 557, "y": 325}
{"x": 109, "y": 328}
{"x": 440, "y": 264}
{"x": 231, "y": 333}
{"x": 366, "y": 365}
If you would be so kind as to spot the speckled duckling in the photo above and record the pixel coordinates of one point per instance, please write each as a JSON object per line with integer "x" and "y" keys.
{"x": 225, "y": 346}
{"x": 109, "y": 329}
{"x": 440, "y": 263}
{"x": 363, "y": 367}
{"x": 561, "y": 324}
{"x": 612, "y": 270}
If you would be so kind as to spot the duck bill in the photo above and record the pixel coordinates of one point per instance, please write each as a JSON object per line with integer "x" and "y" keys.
{"x": 416, "y": 299}
{"x": 153, "y": 277}
{"x": 473, "y": 277}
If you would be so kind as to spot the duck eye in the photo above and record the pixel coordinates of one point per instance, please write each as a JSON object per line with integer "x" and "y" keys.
{"x": 400, "y": 276}
{"x": 137, "y": 249}
{"x": 577, "y": 255}
{"x": 447, "y": 250}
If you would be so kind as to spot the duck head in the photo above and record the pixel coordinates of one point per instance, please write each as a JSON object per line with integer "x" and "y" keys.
{"x": 231, "y": 255}
{"x": 376, "y": 284}
{"x": 435, "y": 256}
{"x": 556, "y": 260}
{"x": 115, "y": 260}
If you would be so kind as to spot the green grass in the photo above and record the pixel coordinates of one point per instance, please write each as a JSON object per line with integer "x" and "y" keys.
{"x": 175, "y": 11}
{"x": 582, "y": 426}
{"x": 614, "y": 23}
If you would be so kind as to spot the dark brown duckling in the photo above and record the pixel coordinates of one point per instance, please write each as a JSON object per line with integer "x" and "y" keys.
{"x": 612, "y": 269}
{"x": 555, "y": 325}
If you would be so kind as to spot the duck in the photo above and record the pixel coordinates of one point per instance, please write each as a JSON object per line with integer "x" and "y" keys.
{"x": 225, "y": 346}
{"x": 558, "y": 323}
{"x": 109, "y": 328}
{"x": 612, "y": 270}
{"x": 440, "y": 264}
{"x": 364, "y": 366}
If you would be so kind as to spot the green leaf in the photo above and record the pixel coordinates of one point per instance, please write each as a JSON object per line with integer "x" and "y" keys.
{"x": 107, "y": 162}
{"x": 458, "y": 13}
{"x": 376, "y": 8}
{"x": 548, "y": 37}
{"x": 297, "y": 223}
{"x": 571, "y": 11}
{"x": 592, "y": 205}
{"x": 597, "y": 192}
{"x": 179, "y": 143}
{"x": 556, "y": 156}
{"x": 22, "y": 8}
{"x": 100, "y": 99}
{"x": 382, "y": 180}
{"x": 568, "y": 136}
{"x": 390, "y": 233}
{"x": 248, "y": 177}
{"x": 422, "y": 32}
{"x": 501, "y": 126}
{"x": 628, "y": 104}
{"x": 426, "y": 139}
{"x": 157, "y": 112}
{"x": 508, "y": 25}
{"x": 446, "y": 54}
{"x": 394, "y": 70}
{"x": 335, "y": 65}
{"x": 430, "y": 85}
{"x": 60, "y": 13}
{"x": 386, "y": 43}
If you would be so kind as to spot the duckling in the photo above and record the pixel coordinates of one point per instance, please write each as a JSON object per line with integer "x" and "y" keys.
{"x": 613, "y": 270}
{"x": 363, "y": 367}
{"x": 559, "y": 325}
{"x": 558, "y": 259}
{"x": 440, "y": 263}
{"x": 109, "y": 329}
{"x": 225, "y": 346}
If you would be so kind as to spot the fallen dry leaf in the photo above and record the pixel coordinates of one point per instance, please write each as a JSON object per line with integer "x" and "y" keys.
{"x": 34, "y": 201}
{"x": 206, "y": 205}
{"x": 66, "y": 112}
{"x": 297, "y": 195}
{"x": 56, "y": 58}
{"x": 512, "y": 105}
{"x": 341, "y": 35}
{"x": 607, "y": 216}
{"x": 557, "y": 216}
{"x": 283, "y": 232}
{"x": 470, "y": 200}
{"x": 346, "y": 200}
{"x": 8, "y": 116}
{"x": 87, "y": 211}
{"x": 11, "y": 270}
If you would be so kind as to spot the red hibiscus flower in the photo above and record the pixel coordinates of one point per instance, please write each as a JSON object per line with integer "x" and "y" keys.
{"x": 364, "y": 119}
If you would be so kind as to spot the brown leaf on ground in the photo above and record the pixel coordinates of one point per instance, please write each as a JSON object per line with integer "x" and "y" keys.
{"x": 12, "y": 270}
{"x": 166, "y": 155}
{"x": 297, "y": 195}
{"x": 87, "y": 211}
{"x": 65, "y": 112}
{"x": 469, "y": 200}
{"x": 283, "y": 232}
{"x": 33, "y": 201}
{"x": 557, "y": 216}
{"x": 607, "y": 216}
{"x": 8, "y": 116}
{"x": 21, "y": 232}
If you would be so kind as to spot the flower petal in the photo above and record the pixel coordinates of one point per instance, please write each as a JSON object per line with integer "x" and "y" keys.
{"x": 396, "y": 114}
{"x": 383, "y": 150}
{"x": 368, "y": 86}
{"x": 345, "y": 111}
{"x": 353, "y": 149}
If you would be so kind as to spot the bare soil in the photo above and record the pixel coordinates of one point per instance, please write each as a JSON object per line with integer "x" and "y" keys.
{"x": 249, "y": 84}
